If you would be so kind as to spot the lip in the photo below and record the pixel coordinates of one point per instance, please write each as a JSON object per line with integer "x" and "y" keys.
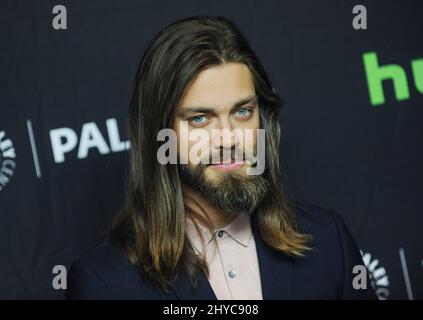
{"x": 228, "y": 166}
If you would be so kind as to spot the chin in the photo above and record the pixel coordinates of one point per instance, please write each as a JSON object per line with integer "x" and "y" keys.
{"x": 213, "y": 176}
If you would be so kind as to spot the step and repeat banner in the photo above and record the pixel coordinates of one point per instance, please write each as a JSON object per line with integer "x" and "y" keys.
{"x": 350, "y": 72}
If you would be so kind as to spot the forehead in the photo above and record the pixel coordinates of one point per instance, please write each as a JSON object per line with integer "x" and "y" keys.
{"x": 219, "y": 86}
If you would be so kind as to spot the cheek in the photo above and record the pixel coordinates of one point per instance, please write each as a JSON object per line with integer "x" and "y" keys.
{"x": 250, "y": 135}
{"x": 256, "y": 120}
{"x": 256, "y": 126}
{"x": 181, "y": 144}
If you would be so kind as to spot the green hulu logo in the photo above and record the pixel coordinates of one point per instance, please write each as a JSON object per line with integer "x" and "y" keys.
{"x": 376, "y": 74}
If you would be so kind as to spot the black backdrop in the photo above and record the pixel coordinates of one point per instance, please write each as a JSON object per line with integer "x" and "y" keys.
{"x": 70, "y": 89}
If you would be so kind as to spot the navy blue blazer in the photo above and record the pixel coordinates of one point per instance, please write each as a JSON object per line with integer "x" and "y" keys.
{"x": 324, "y": 273}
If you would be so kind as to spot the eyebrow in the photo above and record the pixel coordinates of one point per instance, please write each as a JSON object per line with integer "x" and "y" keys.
{"x": 200, "y": 109}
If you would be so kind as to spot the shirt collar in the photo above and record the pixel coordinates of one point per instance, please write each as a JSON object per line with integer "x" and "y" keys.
{"x": 238, "y": 229}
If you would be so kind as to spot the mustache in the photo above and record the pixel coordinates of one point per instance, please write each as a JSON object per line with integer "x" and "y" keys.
{"x": 226, "y": 156}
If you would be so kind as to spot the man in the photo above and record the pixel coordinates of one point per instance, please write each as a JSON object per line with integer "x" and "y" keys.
{"x": 218, "y": 228}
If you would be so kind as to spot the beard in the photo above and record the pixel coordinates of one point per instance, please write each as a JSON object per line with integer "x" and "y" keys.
{"x": 233, "y": 192}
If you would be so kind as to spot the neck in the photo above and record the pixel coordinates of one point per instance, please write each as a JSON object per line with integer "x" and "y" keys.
{"x": 200, "y": 206}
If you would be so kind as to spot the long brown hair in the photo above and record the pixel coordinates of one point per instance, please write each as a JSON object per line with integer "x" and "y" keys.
{"x": 151, "y": 224}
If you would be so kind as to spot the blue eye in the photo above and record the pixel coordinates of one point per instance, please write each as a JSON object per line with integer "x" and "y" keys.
{"x": 243, "y": 112}
{"x": 198, "y": 119}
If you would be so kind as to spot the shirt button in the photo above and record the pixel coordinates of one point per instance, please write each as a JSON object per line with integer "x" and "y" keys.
{"x": 220, "y": 233}
{"x": 232, "y": 273}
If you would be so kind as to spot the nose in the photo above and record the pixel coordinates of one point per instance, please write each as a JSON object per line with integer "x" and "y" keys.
{"x": 225, "y": 136}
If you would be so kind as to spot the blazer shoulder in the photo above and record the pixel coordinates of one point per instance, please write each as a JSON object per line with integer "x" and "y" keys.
{"x": 325, "y": 225}
{"x": 92, "y": 276}
{"x": 334, "y": 250}
{"x": 103, "y": 255}
{"x": 314, "y": 218}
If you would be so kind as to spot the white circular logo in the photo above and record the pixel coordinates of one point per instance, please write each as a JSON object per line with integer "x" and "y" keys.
{"x": 379, "y": 279}
{"x": 7, "y": 160}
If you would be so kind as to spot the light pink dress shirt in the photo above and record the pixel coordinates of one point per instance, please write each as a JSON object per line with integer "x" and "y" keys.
{"x": 233, "y": 264}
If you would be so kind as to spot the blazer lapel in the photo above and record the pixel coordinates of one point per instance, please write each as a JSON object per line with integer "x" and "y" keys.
{"x": 276, "y": 269}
